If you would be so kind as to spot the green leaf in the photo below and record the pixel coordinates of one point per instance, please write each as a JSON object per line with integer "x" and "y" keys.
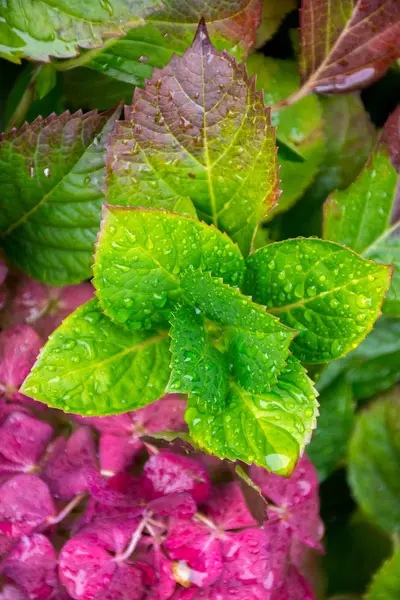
{"x": 51, "y": 174}
{"x": 372, "y": 367}
{"x": 91, "y": 366}
{"x": 142, "y": 254}
{"x": 273, "y": 14}
{"x": 374, "y": 467}
{"x": 349, "y": 138}
{"x": 232, "y": 26}
{"x": 184, "y": 137}
{"x": 38, "y": 29}
{"x": 327, "y": 292}
{"x": 198, "y": 368}
{"x": 299, "y": 127}
{"x": 269, "y": 430}
{"x": 329, "y": 442}
{"x": 386, "y": 249}
{"x": 257, "y": 343}
{"x": 359, "y": 215}
{"x": 84, "y": 87}
{"x": 386, "y": 583}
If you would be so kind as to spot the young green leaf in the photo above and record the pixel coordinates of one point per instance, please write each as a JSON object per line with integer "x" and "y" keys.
{"x": 91, "y": 366}
{"x": 374, "y": 467}
{"x": 272, "y": 15}
{"x": 231, "y": 25}
{"x": 327, "y": 292}
{"x": 358, "y": 216}
{"x": 349, "y": 46}
{"x": 198, "y": 367}
{"x": 142, "y": 254}
{"x": 374, "y": 366}
{"x": 51, "y": 176}
{"x": 257, "y": 344}
{"x": 269, "y": 430}
{"x": 299, "y": 133}
{"x": 185, "y": 135}
{"x": 329, "y": 441}
{"x": 386, "y": 249}
{"x": 386, "y": 582}
{"x": 39, "y": 30}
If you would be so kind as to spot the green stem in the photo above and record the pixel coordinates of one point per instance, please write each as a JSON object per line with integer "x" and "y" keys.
{"x": 24, "y": 104}
{"x": 84, "y": 58}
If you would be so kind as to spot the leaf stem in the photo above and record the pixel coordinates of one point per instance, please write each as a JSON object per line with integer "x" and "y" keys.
{"x": 18, "y": 116}
{"x": 66, "y": 510}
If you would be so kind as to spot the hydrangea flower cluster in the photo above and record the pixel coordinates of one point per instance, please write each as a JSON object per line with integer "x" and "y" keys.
{"x": 94, "y": 509}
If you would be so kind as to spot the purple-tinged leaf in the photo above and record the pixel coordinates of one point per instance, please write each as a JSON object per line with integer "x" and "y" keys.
{"x": 180, "y": 506}
{"x": 85, "y": 569}
{"x": 42, "y": 306}
{"x": 295, "y": 498}
{"x": 196, "y": 552}
{"x": 51, "y": 177}
{"x": 32, "y": 565}
{"x": 23, "y": 439}
{"x": 204, "y": 133}
{"x": 227, "y": 507}
{"x": 19, "y": 346}
{"x": 347, "y": 47}
{"x": 117, "y": 452}
{"x": 167, "y": 473}
{"x": 70, "y": 464}
{"x": 25, "y": 503}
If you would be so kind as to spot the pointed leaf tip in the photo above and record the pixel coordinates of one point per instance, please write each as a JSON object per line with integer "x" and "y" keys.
{"x": 201, "y": 38}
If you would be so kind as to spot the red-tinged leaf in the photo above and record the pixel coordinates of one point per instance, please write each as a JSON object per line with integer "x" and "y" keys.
{"x": 19, "y": 347}
{"x": 167, "y": 473}
{"x": 295, "y": 498}
{"x": 32, "y": 565}
{"x": 391, "y": 136}
{"x": 227, "y": 507}
{"x": 347, "y": 45}
{"x": 42, "y": 306}
{"x": 196, "y": 551}
{"x": 85, "y": 569}
{"x": 180, "y": 506}
{"x": 70, "y": 464}
{"x": 51, "y": 176}
{"x": 25, "y": 503}
{"x": 23, "y": 439}
{"x": 199, "y": 130}
{"x": 117, "y": 452}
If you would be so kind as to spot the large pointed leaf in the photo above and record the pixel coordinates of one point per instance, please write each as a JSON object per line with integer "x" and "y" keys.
{"x": 232, "y": 25}
{"x": 38, "y": 29}
{"x": 257, "y": 344}
{"x": 347, "y": 45}
{"x": 51, "y": 174}
{"x": 142, "y": 254}
{"x": 91, "y": 366}
{"x": 374, "y": 466}
{"x": 269, "y": 430}
{"x": 199, "y": 129}
{"x": 330, "y": 294}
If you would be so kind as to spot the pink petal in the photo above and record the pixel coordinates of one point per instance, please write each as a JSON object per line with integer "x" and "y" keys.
{"x": 164, "y": 585}
{"x": 114, "y": 425}
{"x": 167, "y": 473}
{"x": 32, "y": 565}
{"x": 181, "y": 506}
{"x": 116, "y": 452}
{"x": 227, "y": 507}
{"x": 197, "y": 552}
{"x": 122, "y": 490}
{"x": 85, "y": 569}
{"x": 165, "y": 414}
{"x": 23, "y": 439}
{"x": 70, "y": 464}
{"x": 25, "y": 503}
{"x": 126, "y": 584}
{"x": 295, "y": 587}
{"x": 11, "y": 592}
{"x": 246, "y": 559}
{"x": 19, "y": 347}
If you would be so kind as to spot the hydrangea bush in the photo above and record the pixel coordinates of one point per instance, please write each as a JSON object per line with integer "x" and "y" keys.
{"x": 199, "y": 291}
